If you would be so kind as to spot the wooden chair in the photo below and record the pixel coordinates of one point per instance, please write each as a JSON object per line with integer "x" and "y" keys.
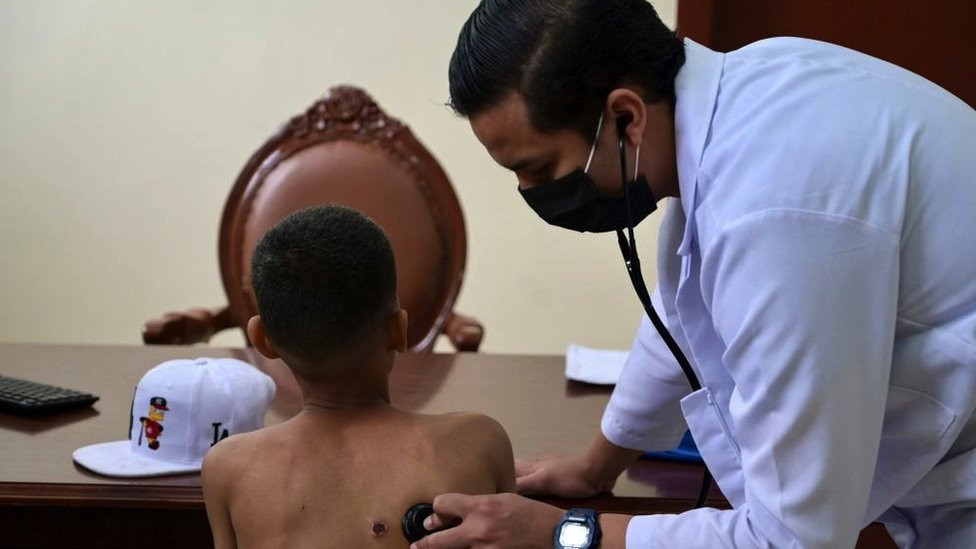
{"x": 344, "y": 149}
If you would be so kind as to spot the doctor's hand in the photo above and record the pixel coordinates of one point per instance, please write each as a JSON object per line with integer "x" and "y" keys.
{"x": 489, "y": 521}
{"x": 575, "y": 476}
{"x": 568, "y": 476}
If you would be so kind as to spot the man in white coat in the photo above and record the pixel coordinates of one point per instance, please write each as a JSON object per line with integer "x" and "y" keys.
{"x": 817, "y": 267}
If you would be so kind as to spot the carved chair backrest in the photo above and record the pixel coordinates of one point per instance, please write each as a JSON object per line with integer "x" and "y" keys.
{"x": 345, "y": 150}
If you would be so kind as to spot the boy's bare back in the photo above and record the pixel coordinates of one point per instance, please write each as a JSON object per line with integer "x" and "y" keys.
{"x": 330, "y": 478}
{"x": 344, "y": 471}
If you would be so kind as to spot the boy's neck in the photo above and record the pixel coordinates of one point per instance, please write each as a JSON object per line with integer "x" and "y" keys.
{"x": 366, "y": 388}
{"x": 344, "y": 398}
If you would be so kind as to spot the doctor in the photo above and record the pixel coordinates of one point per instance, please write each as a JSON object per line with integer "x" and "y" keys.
{"x": 817, "y": 267}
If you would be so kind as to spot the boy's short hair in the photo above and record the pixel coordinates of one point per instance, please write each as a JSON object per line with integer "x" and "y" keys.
{"x": 324, "y": 278}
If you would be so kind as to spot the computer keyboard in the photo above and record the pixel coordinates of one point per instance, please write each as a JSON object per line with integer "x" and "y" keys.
{"x": 29, "y": 398}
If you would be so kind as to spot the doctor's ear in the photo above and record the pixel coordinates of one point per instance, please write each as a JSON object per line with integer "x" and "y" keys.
{"x": 622, "y": 122}
{"x": 630, "y": 114}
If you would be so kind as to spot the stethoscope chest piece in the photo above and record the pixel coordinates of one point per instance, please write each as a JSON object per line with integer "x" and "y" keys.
{"x": 413, "y": 521}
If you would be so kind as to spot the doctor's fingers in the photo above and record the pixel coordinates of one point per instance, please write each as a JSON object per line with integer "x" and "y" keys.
{"x": 531, "y": 483}
{"x": 454, "y": 524}
{"x": 527, "y": 466}
{"x": 561, "y": 475}
{"x": 489, "y": 521}
{"x": 449, "y": 509}
{"x": 452, "y": 538}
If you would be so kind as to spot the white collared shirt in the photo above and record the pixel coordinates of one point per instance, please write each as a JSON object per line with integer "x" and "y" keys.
{"x": 820, "y": 274}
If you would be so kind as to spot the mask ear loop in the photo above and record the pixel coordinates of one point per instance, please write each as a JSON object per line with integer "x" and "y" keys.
{"x": 596, "y": 138}
{"x": 636, "y": 162}
{"x": 627, "y": 185}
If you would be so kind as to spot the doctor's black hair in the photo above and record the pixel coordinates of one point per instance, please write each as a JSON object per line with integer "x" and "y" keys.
{"x": 324, "y": 278}
{"x": 563, "y": 57}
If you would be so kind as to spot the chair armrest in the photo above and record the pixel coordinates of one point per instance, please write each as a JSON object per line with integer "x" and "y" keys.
{"x": 186, "y": 328}
{"x": 464, "y": 332}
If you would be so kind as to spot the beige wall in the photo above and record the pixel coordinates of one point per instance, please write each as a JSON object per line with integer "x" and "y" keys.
{"x": 123, "y": 124}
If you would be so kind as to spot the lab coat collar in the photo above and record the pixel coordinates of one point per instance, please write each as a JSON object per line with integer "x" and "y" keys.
{"x": 696, "y": 90}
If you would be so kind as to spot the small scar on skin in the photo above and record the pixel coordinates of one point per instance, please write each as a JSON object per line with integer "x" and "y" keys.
{"x": 379, "y": 528}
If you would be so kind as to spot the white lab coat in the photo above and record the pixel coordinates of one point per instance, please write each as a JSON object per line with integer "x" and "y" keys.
{"x": 820, "y": 274}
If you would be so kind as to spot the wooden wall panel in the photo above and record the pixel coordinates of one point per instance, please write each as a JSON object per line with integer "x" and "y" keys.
{"x": 935, "y": 38}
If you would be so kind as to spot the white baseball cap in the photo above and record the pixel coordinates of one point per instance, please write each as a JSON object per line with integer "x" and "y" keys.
{"x": 180, "y": 409}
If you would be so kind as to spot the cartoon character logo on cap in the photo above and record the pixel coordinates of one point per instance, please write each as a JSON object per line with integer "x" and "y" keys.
{"x": 151, "y": 425}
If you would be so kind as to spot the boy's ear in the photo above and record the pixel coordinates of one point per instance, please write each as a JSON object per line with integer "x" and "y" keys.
{"x": 259, "y": 337}
{"x": 398, "y": 331}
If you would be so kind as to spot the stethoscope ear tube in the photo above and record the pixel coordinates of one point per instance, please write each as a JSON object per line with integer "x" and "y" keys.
{"x": 632, "y": 263}
{"x": 629, "y": 252}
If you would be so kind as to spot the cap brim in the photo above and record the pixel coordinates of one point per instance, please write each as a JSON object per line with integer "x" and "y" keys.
{"x": 116, "y": 459}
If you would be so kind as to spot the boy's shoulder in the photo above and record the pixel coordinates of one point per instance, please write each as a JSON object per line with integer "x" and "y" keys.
{"x": 456, "y": 433}
{"x": 476, "y": 438}
{"x": 458, "y": 428}
{"x": 472, "y": 433}
{"x": 222, "y": 455}
{"x": 231, "y": 454}
{"x": 471, "y": 425}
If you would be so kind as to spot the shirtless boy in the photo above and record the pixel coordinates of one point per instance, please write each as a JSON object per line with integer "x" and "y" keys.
{"x": 345, "y": 469}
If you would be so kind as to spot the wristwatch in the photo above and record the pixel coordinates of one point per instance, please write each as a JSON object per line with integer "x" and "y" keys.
{"x": 579, "y": 529}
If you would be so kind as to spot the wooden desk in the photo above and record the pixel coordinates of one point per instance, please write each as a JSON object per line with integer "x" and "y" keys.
{"x": 48, "y": 501}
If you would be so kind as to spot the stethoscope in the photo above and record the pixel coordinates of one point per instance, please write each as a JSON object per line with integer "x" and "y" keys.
{"x": 413, "y": 520}
{"x": 628, "y": 249}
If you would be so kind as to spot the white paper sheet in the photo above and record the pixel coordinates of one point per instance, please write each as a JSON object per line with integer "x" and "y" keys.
{"x": 597, "y": 366}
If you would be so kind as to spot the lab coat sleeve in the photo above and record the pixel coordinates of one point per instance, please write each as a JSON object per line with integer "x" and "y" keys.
{"x": 806, "y": 305}
{"x": 644, "y": 412}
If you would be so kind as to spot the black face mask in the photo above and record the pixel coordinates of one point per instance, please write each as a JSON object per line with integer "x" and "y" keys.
{"x": 575, "y": 202}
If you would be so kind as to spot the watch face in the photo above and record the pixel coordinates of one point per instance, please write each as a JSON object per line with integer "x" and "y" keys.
{"x": 574, "y": 535}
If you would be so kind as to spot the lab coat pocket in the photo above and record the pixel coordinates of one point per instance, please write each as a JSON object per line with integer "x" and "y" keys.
{"x": 911, "y": 438}
{"x": 912, "y": 442}
{"x": 715, "y": 443}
